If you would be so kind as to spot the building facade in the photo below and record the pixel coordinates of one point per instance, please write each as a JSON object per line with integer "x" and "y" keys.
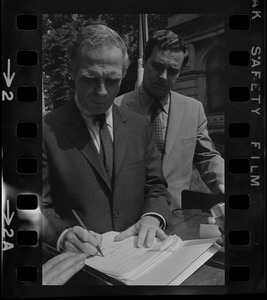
{"x": 203, "y": 76}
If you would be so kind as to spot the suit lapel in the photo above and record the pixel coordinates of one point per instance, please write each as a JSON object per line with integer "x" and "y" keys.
{"x": 134, "y": 103}
{"x": 75, "y": 129}
{"x": 120, "y": 135}
{"x": 174, "y": 123}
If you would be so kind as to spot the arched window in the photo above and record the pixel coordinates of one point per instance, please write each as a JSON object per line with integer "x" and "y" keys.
{"x": 215, "y": 80}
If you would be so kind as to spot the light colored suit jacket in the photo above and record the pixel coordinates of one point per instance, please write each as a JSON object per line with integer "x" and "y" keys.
{"x": 187, "y": 142}
{"x": 74, "y": 176}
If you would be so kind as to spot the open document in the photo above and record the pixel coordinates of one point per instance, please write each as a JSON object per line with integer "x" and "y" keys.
{"x": 167, "y": 262}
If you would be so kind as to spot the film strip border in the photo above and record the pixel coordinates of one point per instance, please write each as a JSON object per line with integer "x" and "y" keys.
{"x": 244, "y": 148}
{"x": 244, "y": 152}
{"x": 21, "y": 154}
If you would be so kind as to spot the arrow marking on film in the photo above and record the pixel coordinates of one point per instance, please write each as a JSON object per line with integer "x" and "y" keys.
{"x": 8, "y": 78}
{"x": 7, "y": 216}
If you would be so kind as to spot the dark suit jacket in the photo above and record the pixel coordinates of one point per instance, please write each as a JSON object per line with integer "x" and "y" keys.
{"x": 74, "y": 176}
{"x": 187, "y": 142}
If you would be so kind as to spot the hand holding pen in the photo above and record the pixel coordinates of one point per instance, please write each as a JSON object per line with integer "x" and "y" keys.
{"x": 82, "y": 224}
{"x": 78, "y": 239}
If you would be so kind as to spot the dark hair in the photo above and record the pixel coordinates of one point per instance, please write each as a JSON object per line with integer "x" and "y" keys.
{"x": 98, "y": 35}
{"x": 165, "y": 40}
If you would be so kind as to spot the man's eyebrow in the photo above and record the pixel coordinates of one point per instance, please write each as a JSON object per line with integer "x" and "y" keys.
{"x": 174, "y": 69}
{"x": 85, "y": 73}
{"x": 157, "y": 62}
{"x": 114, "y": 75}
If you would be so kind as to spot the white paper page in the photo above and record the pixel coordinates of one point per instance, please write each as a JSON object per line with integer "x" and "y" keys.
{"x": 196, "y": 264}
{"x": 176, "y": 263}
{"x": 207, "y": 231}
{"x": 123, "y": 260}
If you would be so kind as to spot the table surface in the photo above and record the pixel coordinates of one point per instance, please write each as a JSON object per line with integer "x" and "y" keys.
{"x": 185, "y": 224}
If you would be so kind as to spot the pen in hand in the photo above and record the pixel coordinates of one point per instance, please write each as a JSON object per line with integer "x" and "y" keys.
{"x": 82, "y": 224}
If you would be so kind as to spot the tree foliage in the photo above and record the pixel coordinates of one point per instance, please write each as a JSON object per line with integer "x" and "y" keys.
{"x": 58, "y": 33}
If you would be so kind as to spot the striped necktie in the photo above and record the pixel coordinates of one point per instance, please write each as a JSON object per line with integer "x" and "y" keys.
{"x": 106, "y": 145}
{"x": 157, "y": 125}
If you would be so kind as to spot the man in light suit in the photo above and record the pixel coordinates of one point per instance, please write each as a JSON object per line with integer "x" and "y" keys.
{"x": 133, "y": 197}
{"x": 183, "y": 124}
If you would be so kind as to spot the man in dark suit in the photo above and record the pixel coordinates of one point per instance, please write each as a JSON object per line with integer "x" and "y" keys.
{"x": 123, "y": 191}
{"x": 181, "y": 130}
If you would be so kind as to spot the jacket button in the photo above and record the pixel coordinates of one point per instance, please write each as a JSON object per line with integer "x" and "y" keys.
{"x": 116, "y": 214}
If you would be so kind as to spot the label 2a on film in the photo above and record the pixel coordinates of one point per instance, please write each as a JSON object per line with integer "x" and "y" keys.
{"x": 7, "y": 232}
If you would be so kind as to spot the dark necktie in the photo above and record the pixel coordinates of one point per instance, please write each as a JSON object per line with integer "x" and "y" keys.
{"x": 106, "y": 145}
{"x": 157, "y": 125}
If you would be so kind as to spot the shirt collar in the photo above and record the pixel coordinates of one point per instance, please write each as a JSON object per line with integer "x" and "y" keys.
{"x": 109, "y": 117}
{"x": 89, "y": 117}
{"x": 147, "y": 101}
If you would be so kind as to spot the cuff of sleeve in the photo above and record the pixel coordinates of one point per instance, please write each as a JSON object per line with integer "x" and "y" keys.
{"x": 60, "y": 238}
{"x": 162, "y": 221}
{"x": 219, "y": 189}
